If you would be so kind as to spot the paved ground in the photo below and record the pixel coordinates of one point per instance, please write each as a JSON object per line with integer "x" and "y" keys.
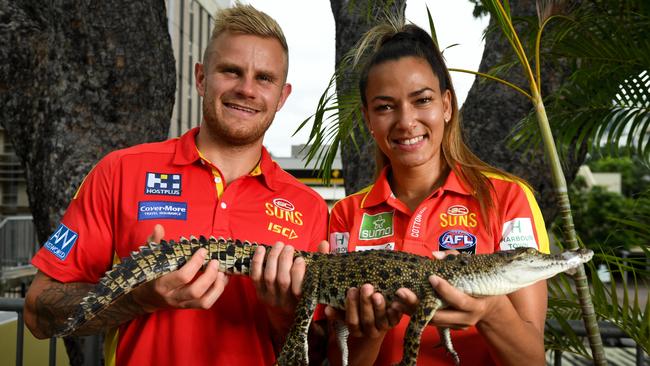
{"x": 616, "y": 356}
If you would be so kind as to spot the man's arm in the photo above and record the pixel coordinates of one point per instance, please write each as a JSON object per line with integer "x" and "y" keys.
{"x": 49, "y": 303}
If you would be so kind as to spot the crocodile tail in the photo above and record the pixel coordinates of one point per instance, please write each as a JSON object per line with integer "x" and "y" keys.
{"x": 148, "y": 263}
{"x": 156, "y": 260}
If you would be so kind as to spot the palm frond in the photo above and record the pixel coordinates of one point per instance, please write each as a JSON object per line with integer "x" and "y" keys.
{"x": 606, "y": 102}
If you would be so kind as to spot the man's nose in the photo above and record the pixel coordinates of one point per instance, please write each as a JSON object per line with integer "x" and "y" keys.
{"x": 246, "y": 86}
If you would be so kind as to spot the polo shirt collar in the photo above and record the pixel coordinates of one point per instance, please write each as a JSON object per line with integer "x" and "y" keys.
{"x": 381, "y": 191}
{"x": 186, "y": 153}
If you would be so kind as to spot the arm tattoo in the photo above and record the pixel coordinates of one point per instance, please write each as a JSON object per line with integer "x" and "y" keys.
{"x": 57, "y": 302}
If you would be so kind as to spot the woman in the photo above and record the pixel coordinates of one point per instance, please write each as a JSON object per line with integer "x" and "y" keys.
{"x": 431, "y": 195}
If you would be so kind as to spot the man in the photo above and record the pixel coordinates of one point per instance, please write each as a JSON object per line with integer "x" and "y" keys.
{"x": 215, "y": 180}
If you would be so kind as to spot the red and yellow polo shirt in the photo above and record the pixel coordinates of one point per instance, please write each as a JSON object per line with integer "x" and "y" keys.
{"x": 168, "y": 183}
{"x": 448, "y": 219}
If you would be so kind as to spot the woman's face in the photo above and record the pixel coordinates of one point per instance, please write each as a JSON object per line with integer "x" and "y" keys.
{"x": 406, "y": 111}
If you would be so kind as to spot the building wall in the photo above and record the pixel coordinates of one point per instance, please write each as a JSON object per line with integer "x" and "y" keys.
{"x": 190, "y": 25}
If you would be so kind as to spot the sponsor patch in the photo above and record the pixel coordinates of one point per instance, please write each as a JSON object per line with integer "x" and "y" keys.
{"x": 283, "y": 204}
{"x": 149, "y": 210}
{"x": 416, "y": 226}
{"x": 282, "y": 209}
{"x": 339, "y": 242}
{"x": 61, "y": 241}
{"x": 284, "y": 231}
{"x": 459, "y": 240}
{"x": 457, "y": 210}
{"x": 385, "y": 246}
{"x": 163, "y": 184}
{"x": 376, "y": 226}
{"x": 518, "y": 233}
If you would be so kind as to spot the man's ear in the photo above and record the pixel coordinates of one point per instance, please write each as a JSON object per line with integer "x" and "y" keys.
{"x": 199, "y": 78}
{"x": 284, "y": 94}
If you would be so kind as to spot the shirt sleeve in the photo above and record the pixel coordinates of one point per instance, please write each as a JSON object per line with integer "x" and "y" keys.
{"x": 81, "y": 248}
{"x": 523, "y": 223}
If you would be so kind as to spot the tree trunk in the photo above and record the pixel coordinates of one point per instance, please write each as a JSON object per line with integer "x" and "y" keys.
{"x": 80, "y": 79}
{"x": 353, "y": 19}
{"x": 491, "y": 110}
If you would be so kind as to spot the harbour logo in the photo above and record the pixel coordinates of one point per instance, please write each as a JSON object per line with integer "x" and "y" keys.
{"x": 150, "y": 210}
{"x": 459, "y": 240}
{"x": 61, "y": 241}
{"x": 163, "y": 184}
{"x": 518, "y": 233}
{"x": 376, "y": 226}
{"x": 339, "y": 242}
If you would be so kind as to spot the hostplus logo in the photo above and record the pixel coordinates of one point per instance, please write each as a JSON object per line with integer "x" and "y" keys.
{"x": 376, "y": 226}
{"x": 163, "y": 184}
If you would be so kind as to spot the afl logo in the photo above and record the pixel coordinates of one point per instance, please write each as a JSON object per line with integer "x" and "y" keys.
{"x": 283, "y": 204}
{"x": 457, "y": 239}
{"x": 457, "y": 210}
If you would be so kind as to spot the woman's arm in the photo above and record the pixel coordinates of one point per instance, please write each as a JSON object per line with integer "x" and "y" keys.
{"x": 512, "y": 325}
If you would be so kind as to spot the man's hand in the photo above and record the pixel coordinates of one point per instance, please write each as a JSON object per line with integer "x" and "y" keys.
{"x": 184, "y": 288}
{"x": 279, "y": 281}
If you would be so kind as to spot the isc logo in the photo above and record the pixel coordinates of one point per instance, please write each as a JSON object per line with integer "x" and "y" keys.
{"x": 284, "y": 231}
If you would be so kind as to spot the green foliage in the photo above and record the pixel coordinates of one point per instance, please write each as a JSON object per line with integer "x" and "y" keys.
{"x": 595, "y": 212}
{"x": 635, "y": 175}
{"x": 605, "y": 104}
{"x": 619, "y": 302}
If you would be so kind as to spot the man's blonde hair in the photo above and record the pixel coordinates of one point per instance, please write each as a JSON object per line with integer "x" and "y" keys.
{"x": 245, "y": 19}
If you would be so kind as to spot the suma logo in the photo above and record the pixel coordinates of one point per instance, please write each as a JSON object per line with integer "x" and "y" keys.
{"x": 376, "y": 226}
{"x": 460, "y": 240}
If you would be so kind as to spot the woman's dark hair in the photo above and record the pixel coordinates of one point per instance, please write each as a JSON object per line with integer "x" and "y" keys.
{"x": 410, "y": 41}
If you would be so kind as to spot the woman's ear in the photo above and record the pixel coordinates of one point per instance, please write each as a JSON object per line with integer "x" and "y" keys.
{"x": 446, "y": 105}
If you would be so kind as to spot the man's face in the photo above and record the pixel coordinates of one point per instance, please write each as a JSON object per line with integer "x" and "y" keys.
{"x": 242, "y": 84}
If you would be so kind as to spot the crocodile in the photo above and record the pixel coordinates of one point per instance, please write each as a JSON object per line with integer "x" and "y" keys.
{"x": 328, "y": 276}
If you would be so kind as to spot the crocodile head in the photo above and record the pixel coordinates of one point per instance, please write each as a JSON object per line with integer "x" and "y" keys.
{"x": 507, "y": 271}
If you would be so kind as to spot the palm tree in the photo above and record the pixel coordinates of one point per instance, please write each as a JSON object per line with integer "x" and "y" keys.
{"x": 606, "y": 98}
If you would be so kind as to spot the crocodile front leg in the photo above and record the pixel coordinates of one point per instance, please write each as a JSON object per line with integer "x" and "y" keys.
{"x": 423, "y": 314}
{"x": 295, "y": 350}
